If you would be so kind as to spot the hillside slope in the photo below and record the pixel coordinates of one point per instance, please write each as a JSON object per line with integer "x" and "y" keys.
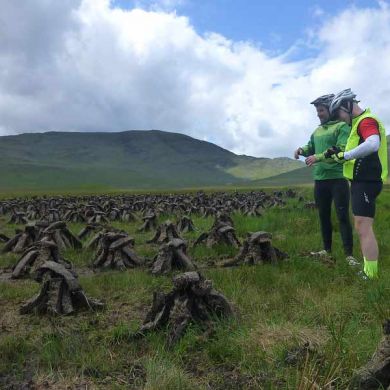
{"x": 131, "y": 159}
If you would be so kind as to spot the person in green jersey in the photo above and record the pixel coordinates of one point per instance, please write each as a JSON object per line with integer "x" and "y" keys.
{"x": 329, "y": 182}
{"x": 364, "y": 163}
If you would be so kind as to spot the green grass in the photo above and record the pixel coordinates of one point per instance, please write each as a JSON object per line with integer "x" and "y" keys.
{"x": 277, "y": 308}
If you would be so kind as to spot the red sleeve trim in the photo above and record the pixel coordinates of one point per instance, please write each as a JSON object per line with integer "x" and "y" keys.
{"x": 368, "y": 127}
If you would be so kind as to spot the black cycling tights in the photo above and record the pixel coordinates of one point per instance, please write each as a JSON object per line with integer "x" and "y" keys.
{"x": 337, "y": 190}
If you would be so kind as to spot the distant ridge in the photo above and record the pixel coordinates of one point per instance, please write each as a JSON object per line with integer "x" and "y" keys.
{"x": 130, "y": 159}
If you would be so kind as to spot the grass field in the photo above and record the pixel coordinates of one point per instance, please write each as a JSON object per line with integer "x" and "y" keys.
{"x": 278, "y": 308}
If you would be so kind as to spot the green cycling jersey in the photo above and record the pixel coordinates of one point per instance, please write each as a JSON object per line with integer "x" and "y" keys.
{"x": 332, "y": 133}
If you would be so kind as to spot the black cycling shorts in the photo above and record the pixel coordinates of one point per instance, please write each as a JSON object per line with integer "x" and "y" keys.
{"x": 363, "y": 197}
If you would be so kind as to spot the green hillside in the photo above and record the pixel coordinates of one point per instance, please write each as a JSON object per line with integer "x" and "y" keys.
{"x": 252, "y": 168}
{"x": 131, "y": 159}
{"x": 297, "y": 176}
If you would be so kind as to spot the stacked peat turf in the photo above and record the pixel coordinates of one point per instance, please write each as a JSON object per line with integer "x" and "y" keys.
{"x": 60, "y": 293}
{"x": 101, "y": 231}
{"x": 18, "y": 217}
{"x": 290, "y": 193}
{"x": 192, "y": 299}
{"x": 185, "y": 225}
{"x": 86, "y": 231}
{"x": 115, "y": 250}
{"x": 222, "y": 232}
{"x": 164, "y": 233}
{"x": 223, "y": 217}
{"x": 75, "y": 215}
{"x": 98, "y": 217}
{"x": 53, "y": 215}
{"x": 127, "y": 215}
{"x": 22, "y": 239}
{"x": 97, "y": 208}
{"x": 376, "y": 373}
{"x": 114, "y": 214}
{"x": 208, "y": 211}
{"x": 172, "y": 255}
{"x": 33, "y": 213}
{"x": 62, "y": 236}
{"x": 150, "y": 222}
{"x": 4, "y": 207}
{"x": 37, "y": 254}
{"x": 257, "y": 249}
{"x": 252, "y": 211}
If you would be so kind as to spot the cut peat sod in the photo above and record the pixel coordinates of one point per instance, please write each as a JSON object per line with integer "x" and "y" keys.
{"x": 257, "y": 249}
{"x": 60, "y": 292}
{"x": 192, "y": 299}
{"x": 115, "y": 250}
{"x": 172, "y": 256}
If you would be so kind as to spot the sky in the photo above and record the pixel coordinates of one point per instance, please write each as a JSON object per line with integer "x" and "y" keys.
{"x": 273, "y": 26}
{"x": 240, "y": 74}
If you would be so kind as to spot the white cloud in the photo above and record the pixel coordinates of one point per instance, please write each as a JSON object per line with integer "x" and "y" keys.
{"x": 83, "y": 65}
{"x": 317, "y": 11}
{"x": 169, "y": 4}
{"x": 157, "y": 5}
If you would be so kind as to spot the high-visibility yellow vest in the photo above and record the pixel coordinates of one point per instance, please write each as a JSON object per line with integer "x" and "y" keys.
{"x": 372, "y": 167}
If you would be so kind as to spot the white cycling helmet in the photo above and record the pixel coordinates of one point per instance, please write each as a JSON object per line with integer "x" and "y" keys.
{"x": 343, "y": 99}
{"x": 323, "y": 100}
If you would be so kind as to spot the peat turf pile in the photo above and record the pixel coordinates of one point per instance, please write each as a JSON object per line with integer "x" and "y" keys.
{"x": 171, "y": 256}
{"x": 257, "y": 249}
{"x": 18, "y": 217}
{"x": 222, "y": 232}
{"x": 62, "y": 236}
{"x": 150, "y": 222}
{"x": 22, "y": 239}
{"x": 192, "y": 299}
{"x": 90, "y": 228}
{"x": 376, "y": 373}
{"x": 165, "y": 232}
{"x": 115, "y": 250}
{"x": 60, "y": 293}
{"x": 185, "y": 225}
{"x": 35, "y": 255}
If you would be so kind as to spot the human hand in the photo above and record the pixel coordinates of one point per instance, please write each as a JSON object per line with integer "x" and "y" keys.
{"x": 332, "y": 151}
{"x": 338, "y": 157}
{"x": 298, "y": 153}
{"x": 311, "y": 160}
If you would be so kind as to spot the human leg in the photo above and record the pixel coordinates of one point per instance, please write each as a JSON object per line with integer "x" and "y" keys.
{"x": 340, "y": 193}
{"x": 323, "y": 199}
{"x": 363, "y": 196}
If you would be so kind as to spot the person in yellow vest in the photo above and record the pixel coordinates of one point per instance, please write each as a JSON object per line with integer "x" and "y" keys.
{"x": 365, "y": 165}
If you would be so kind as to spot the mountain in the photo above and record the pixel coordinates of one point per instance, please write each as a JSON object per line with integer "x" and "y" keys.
{"x": 130, "y": 159}
{"x": 295, "y": 177}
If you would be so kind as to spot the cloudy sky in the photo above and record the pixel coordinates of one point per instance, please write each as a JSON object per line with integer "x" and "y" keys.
{"x": 240, "y": 74}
